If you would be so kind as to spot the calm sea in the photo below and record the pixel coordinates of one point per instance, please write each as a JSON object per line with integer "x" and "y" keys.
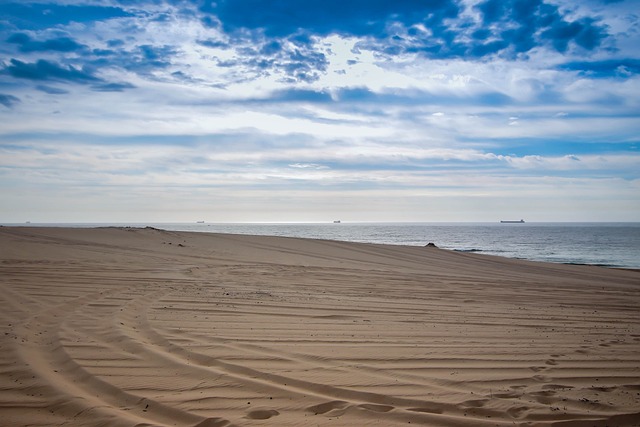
{"x": 603, "y": 244}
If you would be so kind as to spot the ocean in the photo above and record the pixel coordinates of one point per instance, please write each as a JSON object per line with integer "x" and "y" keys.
{"x": 615, "y": 245}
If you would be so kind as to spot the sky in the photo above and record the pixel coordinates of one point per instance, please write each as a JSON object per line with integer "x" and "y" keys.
{"x": 314, "y": 111}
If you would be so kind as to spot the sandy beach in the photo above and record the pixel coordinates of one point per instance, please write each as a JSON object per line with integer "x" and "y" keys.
{"x": 133, "y": 327}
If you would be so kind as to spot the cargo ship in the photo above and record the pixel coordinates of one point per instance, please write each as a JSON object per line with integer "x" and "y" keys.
{"x": 512, "y": 222}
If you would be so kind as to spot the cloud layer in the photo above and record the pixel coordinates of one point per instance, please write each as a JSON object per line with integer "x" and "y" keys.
{"x": 252, "y": 110}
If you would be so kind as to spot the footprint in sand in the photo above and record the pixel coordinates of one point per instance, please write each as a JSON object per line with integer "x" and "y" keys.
{"x": 518, "y": 411}
{"x": 262, "y": 414}
{"x": 428, "y": 410}
{"x": 508, "y": 395}
{"x": 479, "y": 403}
{"x": 556, "y": 387}
{"x": 327, "y": 407}
{"x": 541, "y": 378}
{"x": 605, "y": 389}
{"x": 376, "y": 408}
{"x": 545, "y": 397}
{"x": 213, "y": 422}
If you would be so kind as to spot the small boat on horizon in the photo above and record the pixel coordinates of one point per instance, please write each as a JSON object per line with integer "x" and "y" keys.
{"x": 512, "y": 222}
{"x": 337, "y": 221}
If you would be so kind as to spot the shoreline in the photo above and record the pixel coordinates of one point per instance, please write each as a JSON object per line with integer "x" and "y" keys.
{"x": 540, "y": 242}
{"x": 126, "y": 326}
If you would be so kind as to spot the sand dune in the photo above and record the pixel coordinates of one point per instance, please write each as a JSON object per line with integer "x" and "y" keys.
{"x": 124, "y": 327}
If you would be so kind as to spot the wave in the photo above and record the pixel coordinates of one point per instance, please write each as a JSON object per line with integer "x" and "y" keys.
{"x": 593, "y": 264}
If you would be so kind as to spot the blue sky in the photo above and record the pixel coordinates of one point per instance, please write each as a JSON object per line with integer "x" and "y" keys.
{"x": 246, "y": 110}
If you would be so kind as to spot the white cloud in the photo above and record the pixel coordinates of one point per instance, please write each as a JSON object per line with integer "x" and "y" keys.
{"x": 606, "y": 162}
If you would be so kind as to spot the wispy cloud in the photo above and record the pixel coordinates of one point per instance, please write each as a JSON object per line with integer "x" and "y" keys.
{"x": 59, "y": 44}
{"x": 47, "y": 70}
{"x": 8, "y": 100}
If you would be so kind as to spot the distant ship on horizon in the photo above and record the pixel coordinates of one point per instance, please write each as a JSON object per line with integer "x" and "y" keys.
{"x": 512, "y": 222}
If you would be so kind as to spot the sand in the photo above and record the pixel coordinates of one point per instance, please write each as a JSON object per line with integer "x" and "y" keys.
{"x": 124, "y": 327}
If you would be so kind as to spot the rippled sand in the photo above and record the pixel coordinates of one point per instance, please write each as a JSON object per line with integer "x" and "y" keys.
{"x": 131, "y": 327}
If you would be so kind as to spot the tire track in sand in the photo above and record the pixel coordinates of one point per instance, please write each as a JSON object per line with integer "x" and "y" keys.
{"x": 79, "y": 393}
{"x": 144, "y": 339}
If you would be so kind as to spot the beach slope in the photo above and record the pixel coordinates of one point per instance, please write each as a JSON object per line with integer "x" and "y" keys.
{"x": 126, "y": 327}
